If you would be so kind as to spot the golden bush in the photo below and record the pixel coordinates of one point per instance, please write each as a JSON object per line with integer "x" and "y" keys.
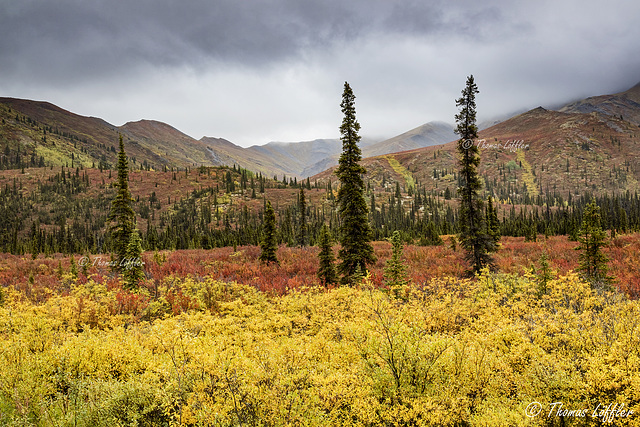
{"x": 453, "y": 352}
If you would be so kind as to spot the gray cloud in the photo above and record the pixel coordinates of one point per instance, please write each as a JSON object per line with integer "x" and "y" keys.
{"x": 88, "y": 39}
{"x": 257, "y": 70}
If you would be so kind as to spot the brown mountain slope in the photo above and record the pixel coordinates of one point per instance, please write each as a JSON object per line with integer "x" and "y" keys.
{"x": 60, "y": 137}
{"x": 308, "y": 158}
{"x": 168, "y": 142}
{"x": 45, "y": 130}
{"x": 53, "y": 115}
{"x": 532, "y": 154}
{"x": 276, "y": 158}
{"x": 432, "y": 133}
{"x": 247, "y": 158}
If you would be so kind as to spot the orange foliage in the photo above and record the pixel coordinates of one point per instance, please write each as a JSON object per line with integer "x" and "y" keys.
{"x": 38, "y": 279}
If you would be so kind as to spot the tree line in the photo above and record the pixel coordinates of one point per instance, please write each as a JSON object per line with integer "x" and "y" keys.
{"x": 78, "y": 224}
{"x": 28, "y": 222}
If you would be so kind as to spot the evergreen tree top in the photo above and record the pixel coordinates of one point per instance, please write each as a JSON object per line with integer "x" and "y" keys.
{"x": 351, "y": 154}
{"x": 123, "y": 166}
{"x": 350, "y": 126}
{"x": 466, "y": 118}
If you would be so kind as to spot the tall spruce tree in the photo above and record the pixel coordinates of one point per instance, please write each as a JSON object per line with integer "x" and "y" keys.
{"x": 327, "y": 270}
{"x": 623, "y": 222}
{"x": 121, "y": 217}
{"x": 430, "y": 235}
{"x": 269, "y": 243}
{"x": 302, "y": 222}
{"x": 592, "y": 238}
{"x": 544, "y": 274}
{"x": 355, "y": 232}
{"x": 473, "y": 232}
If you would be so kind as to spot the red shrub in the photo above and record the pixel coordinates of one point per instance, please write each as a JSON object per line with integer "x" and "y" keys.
{"x": 39, "y": 278}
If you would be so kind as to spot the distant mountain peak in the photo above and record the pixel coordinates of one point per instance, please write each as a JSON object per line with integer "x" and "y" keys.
{"x": 625, "y": 105}
{"x": 428, "y": 134}
{"x": 151, "y": 124}
{"x": 218, "y": 142}
{"x": 154, "y": 129}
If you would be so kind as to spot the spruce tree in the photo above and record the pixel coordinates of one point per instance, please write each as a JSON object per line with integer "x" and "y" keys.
{"x": 269, "y": 243}
{"x": 73, "y": 268}
{"x": 544, "y": 275}
{"x": 355, "y": 232}
{"x": 395, "y": 272}
{"x": 592, "y": 238}
{"x": 530, "y": 232}
{"x": 85, "y": 261}
{"x": 121, "y": 217}
{"x": 493, "y": 225}
{"x": 430, "y": 236}
{"x": 453, "y": 242}
{"x": 473, "y": 233}
{"x": 327, "y": 271}
{"x": 622, "y": 220}
{"x": 132, "y": 265}
{"x": 302, "y": 223}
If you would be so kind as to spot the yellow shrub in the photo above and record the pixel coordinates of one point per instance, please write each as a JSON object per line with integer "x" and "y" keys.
{"x": 454, "y": 352}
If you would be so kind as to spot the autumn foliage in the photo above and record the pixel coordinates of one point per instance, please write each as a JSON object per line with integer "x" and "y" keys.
{"x": 454, "y": 351}
{"x": 218, "y": 338}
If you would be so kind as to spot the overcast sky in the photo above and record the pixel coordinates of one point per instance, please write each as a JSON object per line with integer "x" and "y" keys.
{"x": 254, "y": 71}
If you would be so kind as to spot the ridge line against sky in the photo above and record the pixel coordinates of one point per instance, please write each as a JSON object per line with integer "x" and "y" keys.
{"x": 272, "y": 70}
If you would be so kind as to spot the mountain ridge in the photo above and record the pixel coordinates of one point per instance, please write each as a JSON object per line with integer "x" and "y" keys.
{"x": 625, "y": 104}
{"x": 156, "y": 144}
{"x": 49, "y": 134}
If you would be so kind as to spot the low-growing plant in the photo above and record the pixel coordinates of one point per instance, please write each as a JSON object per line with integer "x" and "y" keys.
{"x": 453, "y": 352}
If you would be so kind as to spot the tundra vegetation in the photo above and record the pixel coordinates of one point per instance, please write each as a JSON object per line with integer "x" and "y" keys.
{"x": 196, "y": 350}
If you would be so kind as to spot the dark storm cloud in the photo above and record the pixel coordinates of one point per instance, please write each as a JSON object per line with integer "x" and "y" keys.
{"x": 60, "y": 40}
{"x": 258, "y": 70}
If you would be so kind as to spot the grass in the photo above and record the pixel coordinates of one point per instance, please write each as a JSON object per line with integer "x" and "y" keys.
{"x": 396, "y": 166}
{"x": 527, "y": 175}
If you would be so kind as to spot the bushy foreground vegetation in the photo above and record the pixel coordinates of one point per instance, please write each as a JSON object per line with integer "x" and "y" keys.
{"x": 449, "y": 352}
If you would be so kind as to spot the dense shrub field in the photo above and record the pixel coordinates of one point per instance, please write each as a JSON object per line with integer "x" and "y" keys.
{"x": 214, "y": 338}
{"x": 449, "y": 352}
